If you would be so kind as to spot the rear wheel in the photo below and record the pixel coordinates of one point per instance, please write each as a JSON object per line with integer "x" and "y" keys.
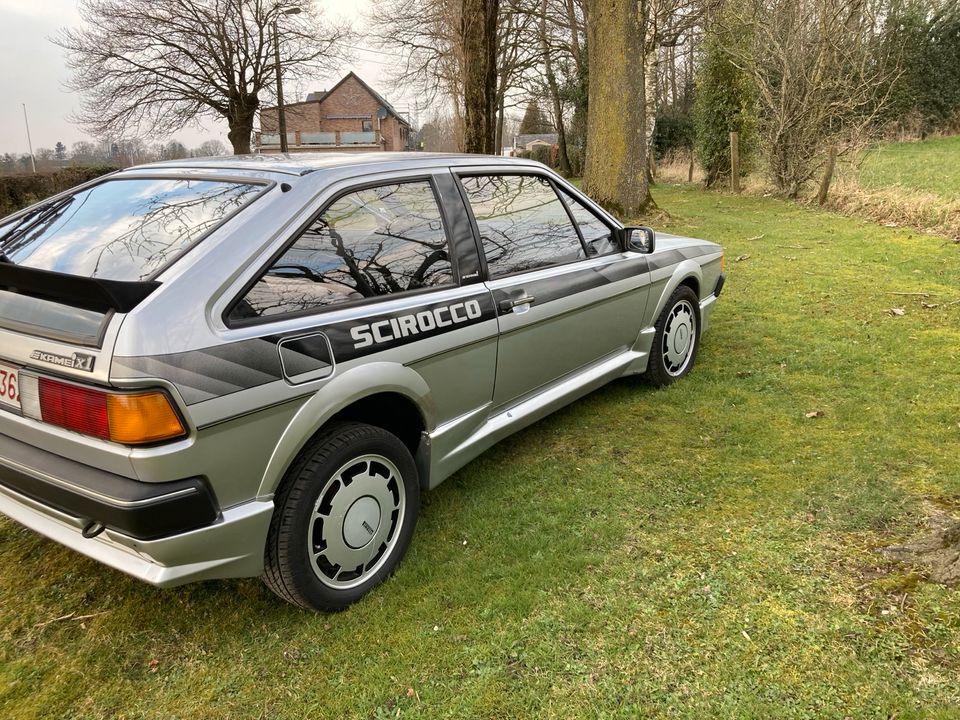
{"x": 344, "y": 517}
{"x": 677, "y": 338}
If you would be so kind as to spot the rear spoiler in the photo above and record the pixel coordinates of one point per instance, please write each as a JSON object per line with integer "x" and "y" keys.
{"x": 74, "y": 290}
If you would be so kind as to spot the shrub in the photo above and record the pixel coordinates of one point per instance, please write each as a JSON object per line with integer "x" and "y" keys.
{"x": 726, "y": 101}
{"x": 540, "y": 153}
{"x": 674, "y": 131}
{"x": 18, "y": 191}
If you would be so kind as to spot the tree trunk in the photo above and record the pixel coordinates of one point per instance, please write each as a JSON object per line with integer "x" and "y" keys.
{"x": 651, "y": 69}
{"x": 240, "y": 115}
{"x": 563, "y": 157}
{"x": 616, "y": 163}
{"x": 498, "y": 145}
{"x": 478, "y": 30}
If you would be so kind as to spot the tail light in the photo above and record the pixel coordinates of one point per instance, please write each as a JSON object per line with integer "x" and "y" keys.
{"x": 134, "y": 418}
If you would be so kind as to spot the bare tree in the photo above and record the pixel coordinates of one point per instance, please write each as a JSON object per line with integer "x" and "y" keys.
{"x": 427, "y": 35}
{"x": 819, "y": 81}
{"x": 157, "y": 65}
{"x": 209, "y": 148}
{"x": 478, "y": 33}
{"x": 668, "y": 25}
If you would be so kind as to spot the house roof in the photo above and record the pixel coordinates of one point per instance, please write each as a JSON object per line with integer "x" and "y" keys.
{"x": 319, "y": 97}
{"x": 524, "y": 140}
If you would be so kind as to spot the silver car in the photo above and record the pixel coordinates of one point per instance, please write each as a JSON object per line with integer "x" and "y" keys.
{"x": 254, "y": 366}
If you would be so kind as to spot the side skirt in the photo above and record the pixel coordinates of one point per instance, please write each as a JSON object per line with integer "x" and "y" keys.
{"x": 446, "y": 461}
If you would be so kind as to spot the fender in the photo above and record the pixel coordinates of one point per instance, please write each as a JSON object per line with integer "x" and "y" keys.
{"x": 656, "y": 301}
{"x": 343, "y": 390}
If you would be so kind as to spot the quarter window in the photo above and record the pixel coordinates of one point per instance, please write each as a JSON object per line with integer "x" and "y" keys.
{"x": 369, "y": 243}
{"x": 522, "y": 223}
{"x": 597, "y": 235}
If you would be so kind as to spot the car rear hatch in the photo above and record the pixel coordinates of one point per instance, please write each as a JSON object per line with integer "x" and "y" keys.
{"x": 73, "y": 266}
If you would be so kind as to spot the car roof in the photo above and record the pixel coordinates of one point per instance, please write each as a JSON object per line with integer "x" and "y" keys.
{"x": 305, "y": 163}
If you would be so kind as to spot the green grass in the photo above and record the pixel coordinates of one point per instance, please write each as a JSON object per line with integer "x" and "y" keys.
{"x": 930, "y": 165}
{"x": 701, "y": 551}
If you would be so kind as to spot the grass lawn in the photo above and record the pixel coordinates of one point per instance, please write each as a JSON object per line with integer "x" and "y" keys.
{"x": 701, "y": 551}
{"x": 930, "y": 165}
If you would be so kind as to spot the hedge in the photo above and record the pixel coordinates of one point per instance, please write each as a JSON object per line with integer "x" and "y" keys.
{"x": 18, "y": 191}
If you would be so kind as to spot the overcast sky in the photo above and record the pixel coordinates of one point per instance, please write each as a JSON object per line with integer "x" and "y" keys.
{"x": 34, "y": 73}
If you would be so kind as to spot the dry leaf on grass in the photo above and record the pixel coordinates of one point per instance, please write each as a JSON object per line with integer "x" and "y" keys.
{"x": 815, "y": 414}
{"x": 741, "y": 258}
{"x": 897, "y": 312}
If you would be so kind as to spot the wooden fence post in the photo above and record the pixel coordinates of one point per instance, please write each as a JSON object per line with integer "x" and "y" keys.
{"x": 735, "y": 162}
{"x": 827, "y": 175}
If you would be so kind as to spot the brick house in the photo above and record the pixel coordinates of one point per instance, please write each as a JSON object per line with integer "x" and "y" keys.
{"x": 349, "y": 116}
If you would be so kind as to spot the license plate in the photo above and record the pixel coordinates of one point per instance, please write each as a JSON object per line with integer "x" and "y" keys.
{"x": 9, "y": 387}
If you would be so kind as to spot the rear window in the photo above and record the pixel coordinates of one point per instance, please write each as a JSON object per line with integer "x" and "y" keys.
{"x": 122, "y": 229}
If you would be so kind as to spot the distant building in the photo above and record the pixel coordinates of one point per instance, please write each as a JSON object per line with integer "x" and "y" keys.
{"x": 528, "y": 142}
{"x": 349, "y": 116}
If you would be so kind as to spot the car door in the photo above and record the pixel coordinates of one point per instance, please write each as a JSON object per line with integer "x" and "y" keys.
{"x": 382, "y": 273}
{"x": 566, "y": 295}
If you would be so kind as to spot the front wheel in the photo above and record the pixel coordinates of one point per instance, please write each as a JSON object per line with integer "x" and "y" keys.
{"x": 677, "y": 338}
{"x": 344, "y": 517}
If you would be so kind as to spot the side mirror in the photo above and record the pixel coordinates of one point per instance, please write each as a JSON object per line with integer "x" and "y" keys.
{"x": 639, "y": 239}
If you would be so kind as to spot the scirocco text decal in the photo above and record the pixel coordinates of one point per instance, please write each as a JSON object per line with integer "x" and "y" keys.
{"x": 401, "y": 326}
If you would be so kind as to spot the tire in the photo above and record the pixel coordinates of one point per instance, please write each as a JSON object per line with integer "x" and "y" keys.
{"x": 677, "y": 339}
{"x": 345, "y": 514}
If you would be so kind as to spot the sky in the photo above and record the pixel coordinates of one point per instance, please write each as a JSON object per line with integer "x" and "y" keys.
{"x": 34, "y": 73}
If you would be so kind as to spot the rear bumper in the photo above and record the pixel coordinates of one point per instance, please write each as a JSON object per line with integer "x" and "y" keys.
{"x": 176, "y": 547}
{"x": 141, "y": 510}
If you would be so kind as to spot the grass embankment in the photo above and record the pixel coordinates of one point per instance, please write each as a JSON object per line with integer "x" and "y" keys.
{"x": 916, "y": 184}
{"x": 931, "y": 165}
{"x": 702, "y": 551}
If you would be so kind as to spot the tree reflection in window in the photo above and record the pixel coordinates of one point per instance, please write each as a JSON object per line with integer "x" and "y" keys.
{"x": 123, "y": 229}
{"x": 523, "y": 224}
{"x": 372, "y": 242}
{"x": 597, "y": 235}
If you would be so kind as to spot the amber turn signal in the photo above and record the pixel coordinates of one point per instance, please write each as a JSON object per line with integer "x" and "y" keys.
{"x": 142, "y": 418}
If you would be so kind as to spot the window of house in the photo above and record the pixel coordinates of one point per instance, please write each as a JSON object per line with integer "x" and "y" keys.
{"x": 523, "y": 225}
{"x": 369, "y": 243}
{"x": 366, "y": 125}
{"x": 597, "y": 235}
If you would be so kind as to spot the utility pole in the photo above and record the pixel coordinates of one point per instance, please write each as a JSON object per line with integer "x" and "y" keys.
{"x": 33, "y": 162}
{"x": 281, "y": 114}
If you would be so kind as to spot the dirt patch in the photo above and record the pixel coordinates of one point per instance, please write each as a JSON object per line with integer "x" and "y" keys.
{"x": 937, "y": 550}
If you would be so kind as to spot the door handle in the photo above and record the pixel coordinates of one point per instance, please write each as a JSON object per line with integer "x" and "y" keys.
{"x": 513, "y": 303}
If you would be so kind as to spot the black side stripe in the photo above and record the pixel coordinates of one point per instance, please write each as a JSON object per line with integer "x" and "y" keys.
{"x": 665, "y": 258}
{"x": 549, "y": 289}
{"x": 221, "y": 370}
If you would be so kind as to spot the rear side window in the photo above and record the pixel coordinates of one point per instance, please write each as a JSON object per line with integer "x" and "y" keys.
{"x": 369, "y": 243}
{"x": 122, "y": 229}
{"x": 523, "y": 225}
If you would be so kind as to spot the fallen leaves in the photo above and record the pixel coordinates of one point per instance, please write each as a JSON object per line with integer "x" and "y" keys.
{"x": 741, "y": 258}
{"x": 815, "y": 414}
{"x": 897, "y": 312}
